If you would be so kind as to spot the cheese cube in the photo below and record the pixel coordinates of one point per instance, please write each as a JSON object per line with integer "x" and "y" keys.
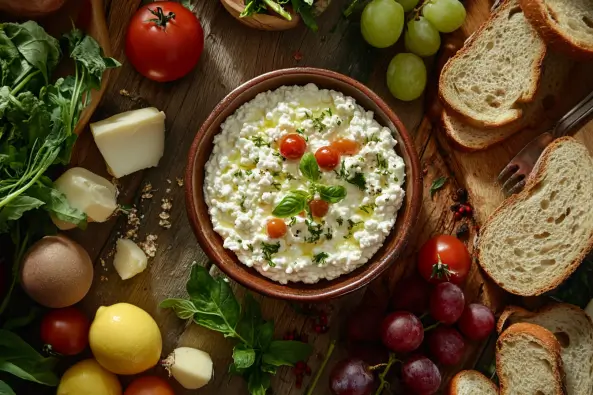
{"x": 87, "y": 192}
{"x": 191, "y": 367}
{"x": 129, "y": 259}
{"x": 131, "y": 141}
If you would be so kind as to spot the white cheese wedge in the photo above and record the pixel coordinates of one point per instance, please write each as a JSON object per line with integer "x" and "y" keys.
{"x": 191, "y": 367}
{"x": 131, "y": 141}
{"x": 87, "y": 192}
{"x": 129, "y": 259}
{"x": 589, "y": 309}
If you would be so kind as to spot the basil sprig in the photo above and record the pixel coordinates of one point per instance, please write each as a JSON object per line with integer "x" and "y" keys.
{"x": 296, "y": 201}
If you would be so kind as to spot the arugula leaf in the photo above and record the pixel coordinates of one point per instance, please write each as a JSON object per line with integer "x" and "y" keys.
{"x": 243, "y": 356}
{"x": 286, "y": 352}
{"x": 332, "y": 194}
{"x": 291, "y": 205}
{"x": 309, "y": 167}
{"x": 5, "y": 389}
{"x": 216, "y": 307}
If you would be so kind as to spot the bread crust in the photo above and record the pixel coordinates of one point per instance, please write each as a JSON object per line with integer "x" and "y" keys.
{"x": 542, "y": 336}
{"x": 512, "y": 310}
{"x": 537, "y": 14}
{"x": 537, "y": 174}
{"x": 455, "y": 381}
{"x": 537, "y": 70}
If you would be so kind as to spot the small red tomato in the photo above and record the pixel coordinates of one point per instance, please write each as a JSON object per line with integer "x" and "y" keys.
{"x": 276, "y": 228}
{"x": 149, "y": 385}
{"x": 164, "y": 41}
{"x": 65, "y": 330}
{"x": 327, "y": 158}
{"x": 319, "y": 208}
{"x": 292, "y": 146}
{"x": 346, "y": 146}
{"x": 444, "y": 258}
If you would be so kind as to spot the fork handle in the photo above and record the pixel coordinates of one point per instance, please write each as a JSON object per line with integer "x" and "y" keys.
{"x": 575, "y": 117}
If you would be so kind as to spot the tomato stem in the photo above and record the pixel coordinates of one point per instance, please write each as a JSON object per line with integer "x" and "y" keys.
{"x": 440, "y": 270}
{"x": 161, "y": 19}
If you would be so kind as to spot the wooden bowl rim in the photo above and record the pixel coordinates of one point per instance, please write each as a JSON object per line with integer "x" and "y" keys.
{"x": 321, "y": 290}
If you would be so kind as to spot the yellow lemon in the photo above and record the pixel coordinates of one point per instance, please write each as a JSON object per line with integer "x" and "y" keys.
{"x": 88, "y": 378}
{"x": 125, "y": 339}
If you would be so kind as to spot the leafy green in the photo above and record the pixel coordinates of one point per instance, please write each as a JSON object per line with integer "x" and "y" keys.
{"x": 309, "y": 167}
{"x": 437, "y": 184}
{"x": 578, "y": 288}
{"x": 5, "y": 389}
{"x": 291, "y": 205}
{"x": 332, "y": 194}
{"x": 256, "y": 355}
{"x": 302, "y": 7}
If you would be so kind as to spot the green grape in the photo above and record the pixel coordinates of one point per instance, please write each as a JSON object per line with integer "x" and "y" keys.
{"x": 422, "y": 38}
{"x": 406, "y": 76}
{"x": 445, "y": 15}
{"x": 408, "y": 4}
{"x": 382, "y": 23}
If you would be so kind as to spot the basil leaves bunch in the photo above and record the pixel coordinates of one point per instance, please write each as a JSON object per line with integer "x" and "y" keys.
{"x": 297, "y": 201}
{"x": 256, "y": 355}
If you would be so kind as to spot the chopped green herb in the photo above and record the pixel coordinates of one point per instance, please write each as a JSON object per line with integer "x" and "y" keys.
{"x": 340, "y": 221}
{"x": 339, "y": 122}
{"x": 242, "y": 203}
{"x": 250, "y": 246}
{"x": 320, "y": 258}
{"x": 368, "y": 208}
{"x": 259, "y": 141}
{"x": 351, "y": 226}
{"x": 288, "y": 176}
{"x": 292, "y": 221}
{"x": 329, "y": 234}
{"x": 361, "y": 159}
{"x": 372, "y": 138}
{"x": 329, "y": 112}
{"x": 248, "y": 172}
{"x": 437, "y": 184}
{"x": 277, "y": 185}
{"x": 269, "y": 249}
{"x": 256, "y": 160}
{"x": 238, "y": 173}
{"x": 277, "y": 154}
{"x": 381, "y": 162}
{"x": 315, "y": 230}
{"x": 359, "y": 180}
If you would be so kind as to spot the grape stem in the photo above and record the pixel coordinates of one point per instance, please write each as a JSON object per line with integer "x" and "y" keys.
{"x": 384, "y": 383}
{"x": 431, "y": 327}
{"x": 415, "y": 14}
{"x": 329, "y": 353}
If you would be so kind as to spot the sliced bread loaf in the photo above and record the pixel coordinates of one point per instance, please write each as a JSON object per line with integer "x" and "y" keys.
{"x": 466, "y": 137}
{"x": 528, "y": 361}
{"x": 498, "y": 68}
{"x": 573, "y": 330}
{"x": 537, "y": 238}
{"x": 566, "y": 25}
{"x": 471, "y": 382}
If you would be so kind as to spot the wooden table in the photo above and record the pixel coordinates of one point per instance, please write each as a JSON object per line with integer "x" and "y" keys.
{"x": 233, "y": 54}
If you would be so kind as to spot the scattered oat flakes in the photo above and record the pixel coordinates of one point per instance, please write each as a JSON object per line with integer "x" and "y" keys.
{"x": 149, "y": 246}
{"x": 166, "y": 204}
{"x": 165, "y": 223}
{"x": 164, "y": 215}
{"x": 168, "y": 190}
{"x": 133, "y": 222}
{"x": 104, "y": 278}
{"x": 147, "y": 191}
{"x": 168, "y": 181}
{"x": 179, "y": 181}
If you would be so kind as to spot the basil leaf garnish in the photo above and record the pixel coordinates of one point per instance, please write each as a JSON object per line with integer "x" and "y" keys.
{"x": 291, "y": 205}
{"x": 332, "y": 194}
{"x": 309, "y": 167}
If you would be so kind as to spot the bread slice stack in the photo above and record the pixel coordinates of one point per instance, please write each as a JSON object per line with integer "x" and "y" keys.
{"x": 537, "y": 238}
{"x": 471, "y": 382}
{"x": 573, "y": 330}
{"x": 528, "y": 361}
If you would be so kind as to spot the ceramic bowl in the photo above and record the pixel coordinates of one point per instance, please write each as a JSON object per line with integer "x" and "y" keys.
{"x": 226, "y": 260}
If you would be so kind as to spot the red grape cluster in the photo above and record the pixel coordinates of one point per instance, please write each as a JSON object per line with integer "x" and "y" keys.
{"x": 427, "y": 327}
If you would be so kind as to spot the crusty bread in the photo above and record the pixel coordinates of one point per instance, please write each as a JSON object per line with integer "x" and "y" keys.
{"x": 498, "y": 68}
{"x": 537, "y": 238}
{"x": 556, "y": 69}
{"x": 528, "y": 361}
{"x": 566, "y": 25}
{"x": 573, "y": 330}
{"x": 471, "y": 382}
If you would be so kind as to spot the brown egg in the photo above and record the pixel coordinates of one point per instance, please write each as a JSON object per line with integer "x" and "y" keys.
{"x": 56, "y": 272}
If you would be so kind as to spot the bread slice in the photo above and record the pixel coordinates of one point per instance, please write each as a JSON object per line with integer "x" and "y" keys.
{"x": 498, "y": 68}
{"x": 566, "y": 25}
{"x": 556, "y": 69}
{"x": 528, "y": 361}
{"x": 573, "y": 330}
{"x": 537, "y": 238}
{"x": 471, "y": 382}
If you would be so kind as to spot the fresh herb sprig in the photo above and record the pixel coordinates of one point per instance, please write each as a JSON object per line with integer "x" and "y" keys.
{"x": 357, "y": 179}
{"x": 296, "y": 201}
{"x": 437, "y": 184}
{"x": 256, "y": 355}
{"x": 304, "y": 8}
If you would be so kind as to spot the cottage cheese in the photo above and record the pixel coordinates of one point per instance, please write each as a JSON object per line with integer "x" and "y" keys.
{"x": 246, "y": 177}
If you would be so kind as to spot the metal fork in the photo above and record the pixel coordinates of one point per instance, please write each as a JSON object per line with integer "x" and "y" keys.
{"x": 513, "y": 177}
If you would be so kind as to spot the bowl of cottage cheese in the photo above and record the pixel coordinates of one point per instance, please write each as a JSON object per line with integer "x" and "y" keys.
{"x": 303, "y": 185}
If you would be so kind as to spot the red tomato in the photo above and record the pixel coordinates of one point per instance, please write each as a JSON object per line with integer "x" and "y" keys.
{"x": 164, "y": 41}
{"x": 327, "y": 158}
{"x": 444, "y": 258}
{"x": 318, "y": 208}
{"x": 276, "y": 228}
{"x": 65, "y": 330}
{"x": 149, "y": 385}
{"x": 292, "y": 146}
{"x": 346, "y": 146}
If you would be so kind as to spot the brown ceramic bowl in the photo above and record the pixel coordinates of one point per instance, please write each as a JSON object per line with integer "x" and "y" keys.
{"x": 226, "y": 260}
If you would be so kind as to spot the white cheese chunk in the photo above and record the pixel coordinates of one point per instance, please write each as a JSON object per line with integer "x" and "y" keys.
{"x": 191, "y": 367}
{"x": 129, "y": 259}
{"x": 87, "y": 192}
{"x": 589, "y": 309}
{"x": 131, "y": 141}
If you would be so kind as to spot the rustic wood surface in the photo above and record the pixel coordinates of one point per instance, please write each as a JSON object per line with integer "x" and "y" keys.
{"x": 233, "y": 54}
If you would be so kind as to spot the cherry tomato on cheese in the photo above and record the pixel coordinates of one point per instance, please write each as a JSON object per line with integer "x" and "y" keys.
{"x": 346, "y": 146}
{"x": 65, "y": 330}
{"x": 164, "y": 41}
{"x": 444, "y": 258}
{"x": 292, "y": 146}
{"x": 149, "y": 385}
{"x": 276, "y": 228}
{"x": 319, "y": 208}
{"x": 327, "y": 158}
